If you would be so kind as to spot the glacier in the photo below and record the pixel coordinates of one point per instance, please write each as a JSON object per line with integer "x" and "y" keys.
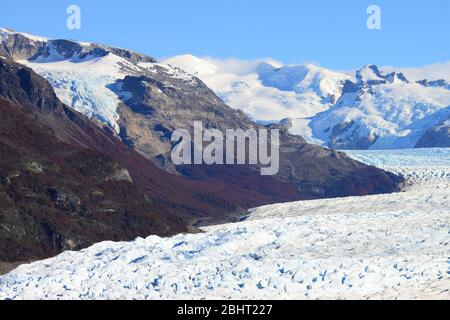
{"x": 87, "y": 76}
{"x": 84, "y": 84}
{"x": 392, "y": 246}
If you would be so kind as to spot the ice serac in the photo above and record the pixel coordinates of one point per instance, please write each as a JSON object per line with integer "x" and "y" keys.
{"x": 144, "y": 102}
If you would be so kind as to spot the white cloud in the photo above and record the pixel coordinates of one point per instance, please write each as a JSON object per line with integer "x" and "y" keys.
{"x": 431, "y": 72}
{"x": 240, "y": 67}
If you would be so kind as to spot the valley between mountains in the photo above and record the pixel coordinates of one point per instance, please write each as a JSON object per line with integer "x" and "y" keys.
{"x": 89, "y": 191}
{"x": 85, "y": 151}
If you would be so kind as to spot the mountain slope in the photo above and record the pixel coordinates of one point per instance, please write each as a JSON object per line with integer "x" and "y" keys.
{"x": 437, "y": 137}
{"x": 153, "y": 99}
{"x": 265, "y": 91}
{"x": 56, "y": 195}
{"x": 66, "y": 182}
{"x": 382, "y": 111}
{"x": 377, "y": 110}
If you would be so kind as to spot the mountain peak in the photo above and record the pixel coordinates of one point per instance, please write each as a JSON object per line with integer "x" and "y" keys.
{"x": 302, "y": 79}
{"x": 24, "y": 46}
{"x": 434, "y": 83}
{"x": 373, "y": 75}
{"x": 370, "y": 73}
{"x": 5, "y": 32}
{"x": 193, "y": 65}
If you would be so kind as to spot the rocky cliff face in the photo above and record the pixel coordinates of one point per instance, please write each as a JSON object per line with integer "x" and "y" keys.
{"x": 436, "y": 137}
{"x": 160, "y": 103}
{"x": 20, "y": 46}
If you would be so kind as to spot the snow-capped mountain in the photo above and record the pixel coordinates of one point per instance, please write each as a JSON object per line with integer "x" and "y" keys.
{"x": 437, "y": 137}
{"x": 382, "y": 111}
{"x": 323, "y": 84}
{"x": 144, "y": 101}
{"x": 392, "y": 246}
{"x": 84, "y": 75}
{"x": 373, "y": 109}
{"x": 266, "y": 90}
{"x": 432, "y": 71}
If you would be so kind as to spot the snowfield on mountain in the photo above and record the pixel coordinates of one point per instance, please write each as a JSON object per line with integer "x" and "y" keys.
{"x": 382, "y": 111}
{"x": 266, "y": 90}
{"x": 85, "y": 85}
{"x": 393, "y": 246}
{"x": 372, "y": 108}
{"x": 89, "y": 85}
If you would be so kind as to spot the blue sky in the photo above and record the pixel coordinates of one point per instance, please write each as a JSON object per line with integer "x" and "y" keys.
{"x": 327, "y": 32}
